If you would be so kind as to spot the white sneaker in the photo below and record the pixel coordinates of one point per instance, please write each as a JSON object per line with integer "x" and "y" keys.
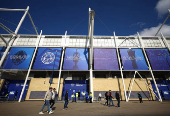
{"x": 51, "y": 112}
{"x": 41, "y": 113}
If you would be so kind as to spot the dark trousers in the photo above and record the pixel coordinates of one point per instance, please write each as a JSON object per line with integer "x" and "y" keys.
{"x": 66, "y": 103}
{"x": 140, "y": 99}
{"x": 52, "y": 102}
{"x": 118, "y": 102}
{"x": 106, "y": 102}
{"x": 86, "y": 100}
{"x": 90, "y": 100}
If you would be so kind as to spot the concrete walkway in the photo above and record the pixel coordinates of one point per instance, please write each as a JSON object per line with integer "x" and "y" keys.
{"x": 132, "y": 108}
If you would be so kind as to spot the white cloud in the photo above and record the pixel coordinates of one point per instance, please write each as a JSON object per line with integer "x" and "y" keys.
{"x": 153, "y": 30}
{"x": 162, "y": 7}
{"x": 141, "y": 24}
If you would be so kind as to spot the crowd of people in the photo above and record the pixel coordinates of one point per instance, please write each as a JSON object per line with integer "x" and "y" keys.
{"x": 49, "y": 99}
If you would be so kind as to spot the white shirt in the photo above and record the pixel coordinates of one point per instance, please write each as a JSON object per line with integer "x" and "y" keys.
{"x": 53, "y": 94}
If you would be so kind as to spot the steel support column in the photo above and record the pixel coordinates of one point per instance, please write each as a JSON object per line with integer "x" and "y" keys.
{"x": 35, "y": 51}
{"x": 140, "y": 40}
{"x": 61, "y": 63}
{"x": 120, "y": 68}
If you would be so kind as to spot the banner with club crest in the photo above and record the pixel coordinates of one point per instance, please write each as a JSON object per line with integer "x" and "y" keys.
{"x": 48, "y": 58}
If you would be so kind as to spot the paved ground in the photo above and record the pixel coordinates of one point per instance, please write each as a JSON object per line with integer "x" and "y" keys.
{"x": 132, "y": 108}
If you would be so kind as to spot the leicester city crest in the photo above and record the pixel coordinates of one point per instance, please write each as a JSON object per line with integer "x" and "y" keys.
{"x": 47, "y": 58}
{"x": 19, "y": 57}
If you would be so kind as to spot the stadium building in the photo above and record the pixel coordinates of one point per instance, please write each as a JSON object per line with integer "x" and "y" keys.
{"x": 75, "y": 63}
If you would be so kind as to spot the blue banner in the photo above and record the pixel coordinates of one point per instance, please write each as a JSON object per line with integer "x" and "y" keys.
{"x": 105, "y": 59}
{"x": 159, "y": 59}
{"x": 48, "y": 58}
{"x": 133, "y": 59}
{"x": 2, "y": 50}
{"x": 18, "y": 58}
{"x": 76, "y": 59}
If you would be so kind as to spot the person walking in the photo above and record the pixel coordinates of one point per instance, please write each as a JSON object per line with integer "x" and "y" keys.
{"x": 73, "y": 97}
{"x": 110, "y": 98}
{"x": 87, "y": 95}
{"x": 66, "y": 101}
{"x": 100, "y": 96}
{"x": 90, "y": 97}
{"x": 47, "y": 98}
{"x": 118, "y": 98}
{"x": 140, "y": 97}
{"x": 106, "y": 96}
{"x": 52, "y": 101}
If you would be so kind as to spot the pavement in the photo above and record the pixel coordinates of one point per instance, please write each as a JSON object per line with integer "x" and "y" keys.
{"x": 131, "y": 108}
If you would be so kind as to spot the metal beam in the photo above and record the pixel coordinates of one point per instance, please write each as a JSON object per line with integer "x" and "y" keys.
{"x": 61, "y": 64}
{"x": 163, "y": 22}
{"x": 132, "y": 85}
{"x": 32, "y": 23}
{"x": 13, "y": 37}
{"x": 7, "y": 9}
{"x": 4, "y": 40}
{"x": 140, "y": 40}
{"x": 120, "y": 68}
{"x": 35, "y": 51}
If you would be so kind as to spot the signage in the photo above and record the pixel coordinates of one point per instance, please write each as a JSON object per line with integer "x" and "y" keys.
{"x": 159, "y": 59}
{"x": 76, "y": 59}
{"x": 105, "y": 59}
{"x": 48, "y": 58}
{"x": 18, "y": 58}
{"x": 133, "y": 59}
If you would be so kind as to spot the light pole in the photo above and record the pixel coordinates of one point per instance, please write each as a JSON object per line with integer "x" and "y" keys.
{"x": 163, "y": 22}
{"x": 51, "y": 78}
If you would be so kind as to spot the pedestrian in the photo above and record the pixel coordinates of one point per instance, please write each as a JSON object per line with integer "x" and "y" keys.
{"x": 110, "y": 98}
{"x": 83, "y": 94}
{"x": 73, "y": 97}
{"x": 87, "y": 95}
{"x": 106, "y": 95}
{"x": 90, "y": 97}
{"x": 140, "y": 97}
{"x": 100, "y": 96}
{"x": 52, "y": 101}
{"x": 118, "y": 98}
{"x": 47, "y": 98}
{"x": 76, "y": 96}
{"x": 66, "y": 101}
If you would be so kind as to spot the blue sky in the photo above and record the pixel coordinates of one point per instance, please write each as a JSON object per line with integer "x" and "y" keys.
{"x": 54, "y": 17}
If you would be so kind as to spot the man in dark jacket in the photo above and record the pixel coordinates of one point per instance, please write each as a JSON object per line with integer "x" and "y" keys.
{"x": 66, "y": 101}
{"x": 118, "y": 98}
{"x": 106, "y": 95}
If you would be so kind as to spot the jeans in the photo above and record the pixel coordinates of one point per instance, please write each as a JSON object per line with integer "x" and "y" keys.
{"x": 118, "y": 102}
{"x": 106, "y": 102}
{"x": 52, "y": 102}
{"x": 47, "y": 102}
{"x": 66, "y": 102}
{"x": 110, "y": 102}
{"x": 86, "y": 99}
{"x": 140, "y": 99}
